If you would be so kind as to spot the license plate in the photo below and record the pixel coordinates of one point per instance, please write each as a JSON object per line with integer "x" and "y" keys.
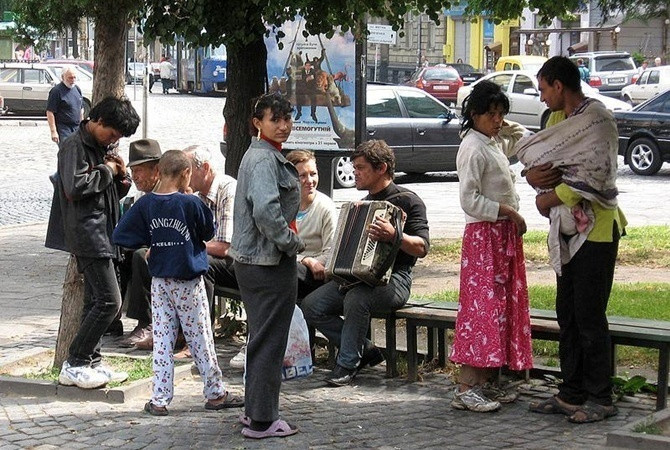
{"x": 441, "y": 88}
{"x": 617, "y": 80}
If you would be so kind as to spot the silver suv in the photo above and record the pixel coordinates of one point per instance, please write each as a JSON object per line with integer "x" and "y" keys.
{"x": 609, "y": 71}
{"x": 25, "y": 87}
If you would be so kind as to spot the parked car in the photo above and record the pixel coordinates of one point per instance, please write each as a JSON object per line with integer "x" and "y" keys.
{"x": 651, "y": 82}
{"x": 468, "y": 73}
{"x": 84, "y": 77}
{"x": 82, "y": 64}
{"x": 644, "y": 134}
{"x": 421, "y": 130}
{"x": 441, "y": 81}
{"x": 136, "y": 72}
{"x": 26, "y": 87}
{"x": 520, "y": 62}
{"x": 524, "y": 96}
{"x": 608, "y": 71}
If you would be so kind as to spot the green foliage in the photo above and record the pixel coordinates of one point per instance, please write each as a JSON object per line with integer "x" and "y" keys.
{"x": 648, "y": 427}
{"x": 624, "y": 385}
{"x": 638, "y": 57}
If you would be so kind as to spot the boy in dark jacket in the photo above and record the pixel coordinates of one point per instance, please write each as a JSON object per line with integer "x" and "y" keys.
{"x": 90, "y": 179}
{"x": 175, "y": 226}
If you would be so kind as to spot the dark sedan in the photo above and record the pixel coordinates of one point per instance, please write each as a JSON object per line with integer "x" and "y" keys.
{"x": 468, "y": 73}
{"x": 420, "y": 129}
{"x": 644, "y": 134}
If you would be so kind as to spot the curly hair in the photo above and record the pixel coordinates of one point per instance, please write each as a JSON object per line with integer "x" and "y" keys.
{"x": 278, "y": 105}
{"x": 484, "y": 95}
{"x": 376, "y": 152}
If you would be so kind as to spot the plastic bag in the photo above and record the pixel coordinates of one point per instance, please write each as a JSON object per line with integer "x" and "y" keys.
{"x": 298, "y": 356}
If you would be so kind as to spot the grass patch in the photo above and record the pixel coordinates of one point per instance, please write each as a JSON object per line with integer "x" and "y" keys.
{"x": 137, "y": 368}
{"x": 647, "y": 427}
{"x": 637, "y": 300}
{"x": 642, "y": 246}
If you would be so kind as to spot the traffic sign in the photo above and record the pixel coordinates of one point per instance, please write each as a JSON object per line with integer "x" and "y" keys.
{"x": 381, "y": 34}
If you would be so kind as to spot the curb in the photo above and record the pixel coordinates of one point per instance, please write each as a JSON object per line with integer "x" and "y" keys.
{"x": 23, "y": 387}
{"x": 627, "y": 438}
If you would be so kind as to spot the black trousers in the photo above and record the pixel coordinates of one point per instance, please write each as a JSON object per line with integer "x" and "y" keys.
{"x": 585, "y": 353}
{"x": 269, "y": 295}
{"x": 139, "y": 289}
{"x": 102, "y": 300}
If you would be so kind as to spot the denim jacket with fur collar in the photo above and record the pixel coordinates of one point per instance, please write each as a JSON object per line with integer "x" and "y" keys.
{"x": 267, "y": 200}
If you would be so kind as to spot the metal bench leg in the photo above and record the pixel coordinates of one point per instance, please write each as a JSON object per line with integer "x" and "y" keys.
{"x": 663, "y": 367}
{"x": 613, "y": 370}
{"x": 391, "y": 353}
{"x": 441, "y": 348}
{"x": 412, "y": 363}
{"x": 431, "y": 344}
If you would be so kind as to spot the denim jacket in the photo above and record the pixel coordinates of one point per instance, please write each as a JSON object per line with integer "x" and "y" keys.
{"x": 267, "y": 200}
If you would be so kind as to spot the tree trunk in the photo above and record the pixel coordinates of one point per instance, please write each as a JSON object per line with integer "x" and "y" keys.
{"x": 109, "y": 49}
{"x": 70, "y": 312}
{"x": 247, "y": 78}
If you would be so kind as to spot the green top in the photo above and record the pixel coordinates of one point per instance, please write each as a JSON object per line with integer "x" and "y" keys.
{"x": 604, "y": 217}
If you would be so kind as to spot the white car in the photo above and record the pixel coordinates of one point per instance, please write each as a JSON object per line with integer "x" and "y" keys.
{"x": 524, "y": 97}
{"x": 651, "y": 82}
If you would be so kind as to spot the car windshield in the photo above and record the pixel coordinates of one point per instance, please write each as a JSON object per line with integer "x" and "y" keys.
{"x": 440, "y": 73}
{"x": 463, "y": 68}
{"x": 533, "y": 67}
{"x": 82, "y": 75}
{"x": 613, "y": 63}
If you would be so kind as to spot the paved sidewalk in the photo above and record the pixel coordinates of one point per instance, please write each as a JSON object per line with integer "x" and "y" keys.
{"x": 374, "y": 413}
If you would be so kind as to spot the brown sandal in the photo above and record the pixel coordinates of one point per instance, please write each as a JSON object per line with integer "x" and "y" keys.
{"x": 591, "y": 412}
{"x": 553, "y": 405}
{"x": 229, "y": 401}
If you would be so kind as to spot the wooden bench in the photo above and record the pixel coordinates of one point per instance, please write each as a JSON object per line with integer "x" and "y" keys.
{"x": 623, "y": 330}
{"x": 221, "y": 293}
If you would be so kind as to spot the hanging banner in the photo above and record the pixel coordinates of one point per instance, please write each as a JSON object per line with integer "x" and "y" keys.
{"x": 316, "y": 74}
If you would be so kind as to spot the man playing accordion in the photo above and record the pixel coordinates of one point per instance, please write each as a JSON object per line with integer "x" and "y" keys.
{"x": 374, "y": 164}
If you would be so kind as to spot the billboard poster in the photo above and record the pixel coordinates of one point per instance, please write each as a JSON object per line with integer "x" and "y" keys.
{"x": 316, "y": 74}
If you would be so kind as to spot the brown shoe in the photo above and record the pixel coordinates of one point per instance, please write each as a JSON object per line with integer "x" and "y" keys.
{"x": 147, "y": 343}
{"x": 139, "y": 333}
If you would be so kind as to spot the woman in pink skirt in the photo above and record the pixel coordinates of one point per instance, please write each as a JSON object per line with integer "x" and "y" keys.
{"x": 493, "y": 325}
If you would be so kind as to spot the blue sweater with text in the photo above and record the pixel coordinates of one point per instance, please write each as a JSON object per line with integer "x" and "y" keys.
{"x": 175, "y": 226}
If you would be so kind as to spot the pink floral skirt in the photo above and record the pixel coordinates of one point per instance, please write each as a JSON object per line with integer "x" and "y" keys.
{"x": 493, "y": 324}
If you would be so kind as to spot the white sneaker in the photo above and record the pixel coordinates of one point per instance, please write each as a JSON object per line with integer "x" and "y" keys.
{"x": 83, "y": 377}
{"x": 117, "y": 377}
{"x": 473, "y": 400}
{"x": 237, "y": 361}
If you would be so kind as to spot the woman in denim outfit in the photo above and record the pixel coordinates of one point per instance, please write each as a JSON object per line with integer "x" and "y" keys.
{"x": 264, "y": 247}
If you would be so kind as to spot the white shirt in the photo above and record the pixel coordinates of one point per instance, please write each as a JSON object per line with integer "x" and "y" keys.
{"x": 485, "y": 178}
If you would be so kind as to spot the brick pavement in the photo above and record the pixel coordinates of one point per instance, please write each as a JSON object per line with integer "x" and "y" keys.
{"x": 374, "y": 413}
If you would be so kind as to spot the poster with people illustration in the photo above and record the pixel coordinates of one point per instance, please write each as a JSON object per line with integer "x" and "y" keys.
{"x": 316, "y": 74}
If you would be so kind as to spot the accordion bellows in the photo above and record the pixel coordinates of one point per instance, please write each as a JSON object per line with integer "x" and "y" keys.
{"x": 354, "y": 256}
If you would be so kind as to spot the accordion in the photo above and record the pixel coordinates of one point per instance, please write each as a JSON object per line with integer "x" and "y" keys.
{"x": 354, "y": 256}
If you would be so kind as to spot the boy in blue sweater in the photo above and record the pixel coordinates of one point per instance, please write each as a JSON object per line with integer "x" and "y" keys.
{"x": 175, "y": 226}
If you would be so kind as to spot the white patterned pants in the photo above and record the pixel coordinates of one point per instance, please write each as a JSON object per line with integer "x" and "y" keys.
{"x": 184, "y": 302}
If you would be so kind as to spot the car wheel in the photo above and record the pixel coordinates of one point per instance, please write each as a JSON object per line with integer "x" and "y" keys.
{"x": 644, "y": 157}
{"x": 86, "y": 106}
{"x": 628, "y": 100}
{"x": 344, "y": 172}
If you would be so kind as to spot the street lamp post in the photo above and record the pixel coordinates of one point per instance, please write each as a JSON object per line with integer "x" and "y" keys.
{"x": 615, "y": 36}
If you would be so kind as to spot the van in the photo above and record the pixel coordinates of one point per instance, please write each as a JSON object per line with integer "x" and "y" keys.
{"x": 652, "y": 81}
{"x": 520, "y": 62}
{"x": 609, "y": 71}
